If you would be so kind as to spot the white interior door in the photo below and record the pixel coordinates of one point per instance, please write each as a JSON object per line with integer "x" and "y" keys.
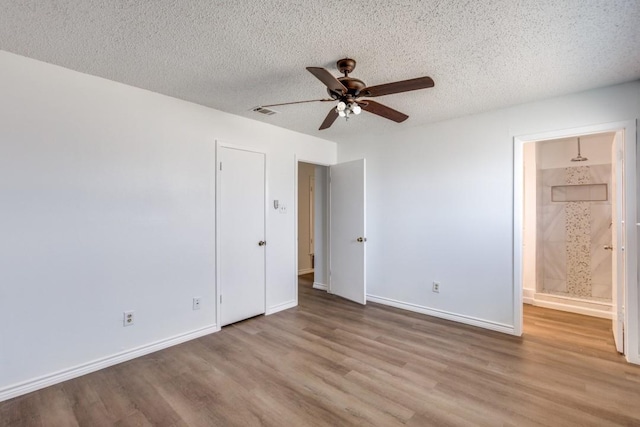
{"x": 241, "y": 234}
{"x": 617, "y": 241}
{"x": 347, "y": 237}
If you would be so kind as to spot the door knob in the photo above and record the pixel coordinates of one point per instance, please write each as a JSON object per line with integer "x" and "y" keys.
{"x": 262, "y": 243}
{"x": 362, "y": 239}
{"x": 608, "y": 247}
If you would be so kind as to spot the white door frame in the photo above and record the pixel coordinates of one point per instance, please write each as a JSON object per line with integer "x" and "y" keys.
{"x": 219, "y": 145}
{"x": 617, "y": 241}
{"x": 631, "y": 341}
{"x": 295, "y": 213}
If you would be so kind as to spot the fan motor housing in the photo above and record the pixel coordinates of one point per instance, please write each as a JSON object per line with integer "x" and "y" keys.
{"x": 354, "y": 86}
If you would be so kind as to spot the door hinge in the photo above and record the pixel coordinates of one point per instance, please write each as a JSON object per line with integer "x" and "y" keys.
{"x": 220, "y": 165}
{"x": 220, "y": 299}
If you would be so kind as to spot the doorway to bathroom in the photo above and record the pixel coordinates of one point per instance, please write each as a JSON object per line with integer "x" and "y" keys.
{"x": 569, "y": 197}
{"x": 575, "y": 227}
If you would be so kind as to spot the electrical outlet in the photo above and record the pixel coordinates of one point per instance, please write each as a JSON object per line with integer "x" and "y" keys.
{"x": 196, "y": 303}
{"x": 283, "y": 208}
{"x": 128, "y": 318}
{"x": 436, "y": 287}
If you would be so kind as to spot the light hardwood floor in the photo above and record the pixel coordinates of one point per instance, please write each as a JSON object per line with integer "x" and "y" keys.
{"x": 331, "y": 362}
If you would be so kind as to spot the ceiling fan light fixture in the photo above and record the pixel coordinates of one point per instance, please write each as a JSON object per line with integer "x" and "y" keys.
{"x": 347, "y": 109}
{"x": 346, "y": 90}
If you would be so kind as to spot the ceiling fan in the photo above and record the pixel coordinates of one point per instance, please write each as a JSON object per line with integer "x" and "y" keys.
{"x": 347, "y": 91}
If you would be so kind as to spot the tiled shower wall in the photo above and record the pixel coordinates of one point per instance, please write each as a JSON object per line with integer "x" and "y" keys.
{"x": 572, "y": 236}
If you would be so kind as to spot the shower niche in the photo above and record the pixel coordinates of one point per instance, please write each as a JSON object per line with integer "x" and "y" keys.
{"x": 580, "y": 193}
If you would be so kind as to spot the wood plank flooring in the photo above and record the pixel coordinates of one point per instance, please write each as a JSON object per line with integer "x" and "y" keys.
{"x": 330, "y": 362}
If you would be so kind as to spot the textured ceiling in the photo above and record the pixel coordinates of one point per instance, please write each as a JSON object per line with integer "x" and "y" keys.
{"x": 233, "y": 55}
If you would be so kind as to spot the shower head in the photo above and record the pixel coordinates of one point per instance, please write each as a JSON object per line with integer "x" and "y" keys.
{"x": 579, "y": 158}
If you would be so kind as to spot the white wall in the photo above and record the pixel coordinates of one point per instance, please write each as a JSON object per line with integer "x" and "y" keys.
{"x": 108, "y": 205}
{"x": 440, "y": 202}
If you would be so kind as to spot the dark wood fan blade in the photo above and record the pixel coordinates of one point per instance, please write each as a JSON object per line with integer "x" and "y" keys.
{"x": 298, "y": 102}
{"x": 383, "y": 111}
{"x": 328, "y": 121}
{"x": 328, "y": 79}
{"x": 398, "y": 87}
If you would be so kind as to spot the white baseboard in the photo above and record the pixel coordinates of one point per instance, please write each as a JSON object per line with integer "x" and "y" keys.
{"x": 280, "y": 307}
{"x": 321, "y": 286}
{"x": 305, "y": 271}
{"x": 633, "y": 358}
{"x": 528, "y": 296}
{"x": 585, "y": 307}
{"x": 95, "y": 365}
{"x": 468, "y": 320}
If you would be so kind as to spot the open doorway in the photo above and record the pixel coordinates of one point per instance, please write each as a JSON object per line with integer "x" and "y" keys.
{"x": 620, "y": 190}
{"x": 569, "y": 200}
{"x": 338, "y": 252}
{"x": 313, "y": 225}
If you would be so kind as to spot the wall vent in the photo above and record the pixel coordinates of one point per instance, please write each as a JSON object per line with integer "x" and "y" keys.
{"x": 265, "y": 111}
